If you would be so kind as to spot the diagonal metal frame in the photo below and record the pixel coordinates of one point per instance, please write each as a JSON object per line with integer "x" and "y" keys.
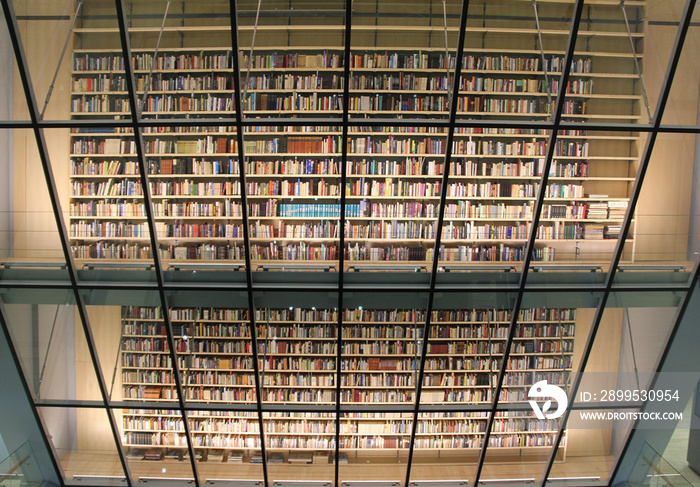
{"x": 620, "y": 246}
{"x": 42, "y": 148}
{"x": 529, "y": 249}
{"x": 4, "y": 326}
{"x": 233, "y": 12}
{"x": 341, "y": 241}
{"x": 346, "y": 122}
{"x": 155, "y": 248}
{"x": 438, "y": 230}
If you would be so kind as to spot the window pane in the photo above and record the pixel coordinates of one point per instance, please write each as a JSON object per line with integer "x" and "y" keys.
{"x": 84, "y": 445}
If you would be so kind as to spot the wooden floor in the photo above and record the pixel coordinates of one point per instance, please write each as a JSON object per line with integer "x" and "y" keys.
{"x": 365, "y": 467}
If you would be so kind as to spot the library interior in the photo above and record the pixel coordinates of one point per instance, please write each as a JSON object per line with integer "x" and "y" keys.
{"x": 357, "y": 243}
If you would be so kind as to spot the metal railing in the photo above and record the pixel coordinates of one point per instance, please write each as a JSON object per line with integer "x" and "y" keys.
{"x": 20, "y": 469}
{"x": 652, "y": 470}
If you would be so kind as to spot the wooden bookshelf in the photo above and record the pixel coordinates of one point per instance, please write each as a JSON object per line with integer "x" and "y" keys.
{"x": 379, "y": 365}
{"x": 394, "y": 174}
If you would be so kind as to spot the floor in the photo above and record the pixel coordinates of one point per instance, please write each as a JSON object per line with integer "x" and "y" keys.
{"x": 677, "y": 448}
{"x": 375, "y": 467}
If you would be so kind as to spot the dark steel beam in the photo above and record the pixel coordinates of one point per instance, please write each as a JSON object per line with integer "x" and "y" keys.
{"x": 636, "y": 191}
{"x": 438, "y": 230}
{"x": 45, "y": 435}
{"x": 530, "y": 247}
{"x": 155, "y": 248}
{"x": 238, "y": 108}
{"x": 341, "y": 242}
{"x": 329, "y": 13}
{"x": 34, "y": 115}
{"x": 453, "y": 288}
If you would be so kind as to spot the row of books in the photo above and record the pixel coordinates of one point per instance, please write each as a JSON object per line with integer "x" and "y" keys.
{"x": 200, "y": 60}
{"x": 521, "y": 85}
{"x": 410, "y": 166}
{"x": 222, "y": 129}
{"x": 467, "y": 317}
{"x": 357, "y": 332}
{"x": 221, "y": 60}
{"x": 274, "y": 251}
{"x": 314, "y": 102}
{"x": 160, "y": 81}
{"x": 461, "y": 210}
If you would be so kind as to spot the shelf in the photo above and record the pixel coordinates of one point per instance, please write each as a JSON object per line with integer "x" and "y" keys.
{"x": 611, "y": 87}
{"x": 460, "y": 114}
{"x": 210, "y": 29}
{"x": 363, "y": 155}
{"x": 377, "y": 92}
{"x": 350, "y": 134}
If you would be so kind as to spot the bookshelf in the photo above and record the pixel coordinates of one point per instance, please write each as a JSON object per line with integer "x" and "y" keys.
{"x": 394, "y": 174}
{"x": 379, "y": 365}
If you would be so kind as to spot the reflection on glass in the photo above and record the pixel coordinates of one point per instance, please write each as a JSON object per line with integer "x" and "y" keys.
{"x": 297, "y": 355}
{"x": 174, "y": 79}
{"x": 107, "y": 211}
{"x": 84, "y": 445}
{"x": 679, "y": 110}
{"x": 290, "y": 68}
{"x": 493, "y": 184}
{"x": 542, "y": 350}
{"x": 589, "y": 185}
{"x": 592, "y": 445}
{"x": 212, "y": 345}
{"x": 146, "y": 364}
{"x": 501, "y": 77}
{"x": 519, "y": 447}
{"x": 604, "y": 83}
{"x": 43, "y": 32}
{"x": 400, "y": 65}
{"x": 115, "y": 332}
{"x": 50, "y": 342}
{"x": 628, "y": 345}
{"x": 465, "y": 350}
{"x": 97, "y": 77}
{"x": 195, "y": 188}
{"x": 14, "y": 104}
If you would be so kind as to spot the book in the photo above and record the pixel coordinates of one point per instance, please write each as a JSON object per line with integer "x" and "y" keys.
{"x": 234, "y": 456}
{"x": 136, "y": 453}
{"x": 215, "y": 456}
{"x": 152, "y": 392}
{"x": 342, "y": 458}
{"x": 172, "y": 454}
{"x": 275, "y": 458}
{"x": 154, "y": 454}
{"x": 320, "y": 457}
